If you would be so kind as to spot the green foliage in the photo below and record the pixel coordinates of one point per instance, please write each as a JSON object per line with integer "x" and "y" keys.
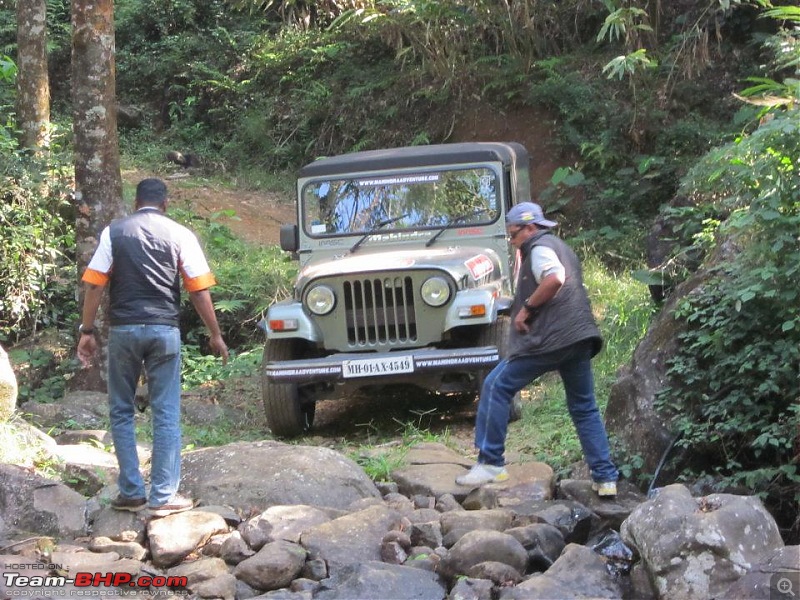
{"x": 629, "y": 64}
{"x": 736, "y": 377}
{"x": 198, "y": 368}
{"x": 623, "y": 24}
{"x": 37, "y": 238}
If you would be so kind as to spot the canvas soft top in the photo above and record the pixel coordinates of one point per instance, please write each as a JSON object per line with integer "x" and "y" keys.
{"x": 510, "y": 154}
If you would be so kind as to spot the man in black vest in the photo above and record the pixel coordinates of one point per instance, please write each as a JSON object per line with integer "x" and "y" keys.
{"x": 553, "y": 330}
{"x": 143, "y": 258}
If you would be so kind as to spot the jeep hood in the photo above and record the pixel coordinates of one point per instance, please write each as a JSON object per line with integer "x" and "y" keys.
{"x": 469, "y": 267}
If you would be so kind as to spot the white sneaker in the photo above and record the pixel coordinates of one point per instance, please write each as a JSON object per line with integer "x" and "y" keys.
{"x": 481, "y": 473}
{"x": 606, "y": 489}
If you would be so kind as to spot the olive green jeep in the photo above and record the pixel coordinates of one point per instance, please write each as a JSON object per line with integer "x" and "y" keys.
{"x": 406, "y": 276}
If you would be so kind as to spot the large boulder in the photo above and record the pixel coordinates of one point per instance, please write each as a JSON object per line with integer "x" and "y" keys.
{"x": 631, "y": 414}
{"x": 30, "y": 503}
{"x": 279, "y": 474}
{"x": 695, "y": 548}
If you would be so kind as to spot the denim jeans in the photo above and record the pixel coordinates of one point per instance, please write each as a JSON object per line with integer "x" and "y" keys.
{"x": 158, "y": 348}
{"x": 573, "y": 363}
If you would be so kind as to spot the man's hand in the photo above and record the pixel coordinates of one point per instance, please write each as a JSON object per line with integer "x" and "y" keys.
{"x": 219, "y": 348}
{"x": 87, "y": 348}
{"x": 521, "y": 321}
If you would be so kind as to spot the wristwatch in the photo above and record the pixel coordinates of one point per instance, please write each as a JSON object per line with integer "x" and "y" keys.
{"x": 85, "y": 330}
{"x": 530, "y": 308}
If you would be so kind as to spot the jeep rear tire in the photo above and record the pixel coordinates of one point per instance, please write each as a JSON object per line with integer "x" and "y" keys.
{"x": 288, "y": 415}
{"x": 498, "y": 334}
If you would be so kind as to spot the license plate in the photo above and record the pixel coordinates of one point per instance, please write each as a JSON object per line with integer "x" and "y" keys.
{"x": 372, "y": 367}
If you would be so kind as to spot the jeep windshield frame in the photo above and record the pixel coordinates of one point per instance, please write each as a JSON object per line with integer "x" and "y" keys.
{"x": 418, "y": 200}
{"x": 509, "y": 161}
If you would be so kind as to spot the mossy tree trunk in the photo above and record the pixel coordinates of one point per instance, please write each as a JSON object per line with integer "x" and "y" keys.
{"x": 33, "y": 84}
{"x": 98, "y": 182}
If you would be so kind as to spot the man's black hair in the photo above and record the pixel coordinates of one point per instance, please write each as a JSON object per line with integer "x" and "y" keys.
{"x": 151, "y": 192}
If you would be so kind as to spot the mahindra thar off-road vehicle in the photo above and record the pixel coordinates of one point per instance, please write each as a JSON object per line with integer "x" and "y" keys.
{"x": 406, "y": 276}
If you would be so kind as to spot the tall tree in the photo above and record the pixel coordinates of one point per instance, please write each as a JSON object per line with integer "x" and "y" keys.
{"x": 33, "y": 84}
{"x": 98, "y": 182}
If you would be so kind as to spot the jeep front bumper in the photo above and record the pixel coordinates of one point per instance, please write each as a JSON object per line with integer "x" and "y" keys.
{"x": 354, "y": 366}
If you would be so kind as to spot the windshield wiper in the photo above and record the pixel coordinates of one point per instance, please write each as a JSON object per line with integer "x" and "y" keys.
{"x": 452, "y": 222}
{"x": 380, "y": 225}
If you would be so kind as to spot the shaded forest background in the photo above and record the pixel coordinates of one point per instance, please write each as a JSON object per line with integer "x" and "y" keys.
{"x": 643, "y": 117}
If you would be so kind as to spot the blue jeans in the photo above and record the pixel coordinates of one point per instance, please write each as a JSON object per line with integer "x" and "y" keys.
{"x": 573, "y": 363}
{"x": 158, "y": 348}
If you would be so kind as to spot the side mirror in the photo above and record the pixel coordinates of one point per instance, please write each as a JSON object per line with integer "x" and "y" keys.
{"x": 289, "y": 238}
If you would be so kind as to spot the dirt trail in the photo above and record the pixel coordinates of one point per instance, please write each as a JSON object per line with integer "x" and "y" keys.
{"x": 258, "y": 214}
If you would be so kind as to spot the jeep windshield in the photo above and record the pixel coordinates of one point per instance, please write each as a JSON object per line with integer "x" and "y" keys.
{"x": 407, "y": 201}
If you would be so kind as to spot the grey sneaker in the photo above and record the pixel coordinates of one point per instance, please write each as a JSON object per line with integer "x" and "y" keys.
{"x": 176, "y": 505}
{"x": 481, "y": 473}
{"x": 129, "y": 504}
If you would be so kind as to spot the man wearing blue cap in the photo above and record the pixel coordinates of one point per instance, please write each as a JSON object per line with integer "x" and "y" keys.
{"x": 553, "y": 330}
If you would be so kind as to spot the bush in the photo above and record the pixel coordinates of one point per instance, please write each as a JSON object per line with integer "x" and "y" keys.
{"x": 735, "y": 380}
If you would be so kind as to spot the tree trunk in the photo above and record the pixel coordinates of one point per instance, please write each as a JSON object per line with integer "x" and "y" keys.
{"x": 33, "y": 85}
{"x": 98, "y": 182}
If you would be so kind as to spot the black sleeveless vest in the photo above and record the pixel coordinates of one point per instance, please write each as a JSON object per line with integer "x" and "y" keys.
{"x": 563, "y": 321}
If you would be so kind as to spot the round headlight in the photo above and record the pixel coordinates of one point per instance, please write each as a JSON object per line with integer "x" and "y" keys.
{"x": 435, "y": 291}
{"x": 320, "y": 300}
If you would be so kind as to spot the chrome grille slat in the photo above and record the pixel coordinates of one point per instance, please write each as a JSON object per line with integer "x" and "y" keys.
{"x": 379, "y": 311}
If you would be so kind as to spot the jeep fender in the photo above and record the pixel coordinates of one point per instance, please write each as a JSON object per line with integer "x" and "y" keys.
{"x": 466, "y": 298}
{"x": 290, "y": 310}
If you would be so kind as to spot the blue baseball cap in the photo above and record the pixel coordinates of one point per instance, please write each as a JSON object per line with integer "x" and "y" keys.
{"x": 527, "y": 213}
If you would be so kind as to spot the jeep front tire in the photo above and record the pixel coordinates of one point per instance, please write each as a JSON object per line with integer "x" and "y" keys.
{"x": 288, "y": 415}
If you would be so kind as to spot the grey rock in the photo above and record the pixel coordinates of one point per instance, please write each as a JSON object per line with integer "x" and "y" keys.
{"x": 498, "y": 573}
{"x": 256, "y": 531}
{"x": 471, "y": 589}
{"x": 315, "y": 569}
{"x": 696, "y": 548}
{"x": 543, "y": 543}
{"x": 393, "y": 553}
{"x": 353, "y": 538}
{"x": 174, "y": 537}
{"x": 430, "y": 480}
{"x": 611, "y": 511}
{"x": 123, "y": 549}
{"x": 222, "y": 586}
{"x": 379, "y": 580}
{"x": 87, "y": 410}
{"x": 578, "y": 573}
{"x": 88, "y": 468}
{"x": 304, "y": 585}
{"x": 481, "y": 546}
{"x": 496, "y": 519}
{"x": 273, "y": 567}
{"x": 447, "y": 503}
{"x": 289, "y": 522}
{"x": 121, "y": 526}
{"x": 399, "y": 503}
{"x": 426, "y": 534}
{"x": 198, "y": 571}
{"x": 30, "y": 503}
{"x": 234, "y": 549}
{"x": 762, "y": 580}
{"x": 573, "y": 519}
{"x": 288, "y": 474}
{"x": 94, "y": 437}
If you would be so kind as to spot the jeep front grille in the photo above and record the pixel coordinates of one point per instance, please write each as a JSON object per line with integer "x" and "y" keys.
{"x": 379, "y": 311}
